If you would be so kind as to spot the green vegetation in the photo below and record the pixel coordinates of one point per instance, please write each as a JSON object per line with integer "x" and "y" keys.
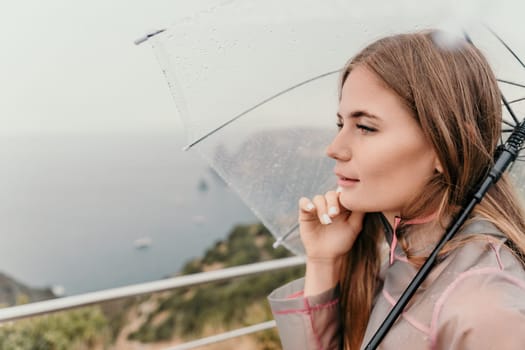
{"x": 78, "y": 329}
{"x": 188, "y": 313}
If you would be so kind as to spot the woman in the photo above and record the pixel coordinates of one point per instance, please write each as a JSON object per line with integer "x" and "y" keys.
{"x": 418, "y": 128}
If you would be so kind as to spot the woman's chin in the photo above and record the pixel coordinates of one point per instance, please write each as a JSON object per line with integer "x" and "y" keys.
{"x": 358, "y": 206}
{"x": 351, "y": 206}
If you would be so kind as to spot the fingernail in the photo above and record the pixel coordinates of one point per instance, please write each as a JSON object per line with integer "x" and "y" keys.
{"x": 326, "y": 219}
{"x": 339, "y": 189}
{"x": 309, "y": 207}
{"x": 332, "y": 211}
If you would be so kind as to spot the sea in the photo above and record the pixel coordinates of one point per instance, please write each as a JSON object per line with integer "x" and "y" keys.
{"x": 86, "y": 211}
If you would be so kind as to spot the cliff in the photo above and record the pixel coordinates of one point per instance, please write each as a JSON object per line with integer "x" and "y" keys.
{"x": 13, "y": 292}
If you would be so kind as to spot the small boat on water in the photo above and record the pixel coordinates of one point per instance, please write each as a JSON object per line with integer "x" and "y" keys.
{"x": 143, "y": 243}
{"x": 198, "y": 219}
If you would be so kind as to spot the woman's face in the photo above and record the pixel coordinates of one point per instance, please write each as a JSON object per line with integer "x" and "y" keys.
{"x": 382, "y": 157}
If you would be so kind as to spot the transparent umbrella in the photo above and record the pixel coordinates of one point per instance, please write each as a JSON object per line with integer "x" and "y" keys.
{"x": 256, "y": 85}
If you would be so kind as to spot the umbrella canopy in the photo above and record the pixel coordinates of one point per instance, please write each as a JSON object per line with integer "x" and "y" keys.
{"x": 256, "y": 85}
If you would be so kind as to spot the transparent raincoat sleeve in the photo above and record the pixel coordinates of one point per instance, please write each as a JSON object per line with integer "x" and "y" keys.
{"x": 312, "y": 322}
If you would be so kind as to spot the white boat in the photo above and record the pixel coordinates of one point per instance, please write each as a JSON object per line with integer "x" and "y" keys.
{"x": 142, "y": 243}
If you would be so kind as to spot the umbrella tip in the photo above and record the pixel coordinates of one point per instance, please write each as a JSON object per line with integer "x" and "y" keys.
{"x": 277, "y": 243}
{"x": 147, "y": 36}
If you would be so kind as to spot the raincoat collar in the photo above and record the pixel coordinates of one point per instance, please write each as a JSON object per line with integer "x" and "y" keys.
{"x": 391, "y": 232}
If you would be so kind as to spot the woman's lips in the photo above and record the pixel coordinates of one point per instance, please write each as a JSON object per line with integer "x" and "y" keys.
{"x": 346, "y": 182}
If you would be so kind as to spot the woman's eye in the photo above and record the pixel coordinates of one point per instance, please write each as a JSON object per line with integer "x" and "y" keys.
{"x": 339, "y": 125}
{"x": 365, "y": 129}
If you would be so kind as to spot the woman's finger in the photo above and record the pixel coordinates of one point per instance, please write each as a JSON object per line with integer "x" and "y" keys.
{"x": 307, "y": 210}
{"x": 332, "y": 203}
{"x": 322, "y": 213}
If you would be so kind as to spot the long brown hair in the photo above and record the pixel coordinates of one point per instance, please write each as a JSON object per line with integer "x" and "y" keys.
{"x": 453, "y": 95}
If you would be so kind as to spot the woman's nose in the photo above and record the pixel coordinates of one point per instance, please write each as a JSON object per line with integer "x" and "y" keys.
{"x": 339, "y": 149}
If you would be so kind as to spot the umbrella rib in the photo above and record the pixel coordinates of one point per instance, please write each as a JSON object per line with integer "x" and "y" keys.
{"x": 281, "y": 239}
{"x": 510, "y": 83}
{"x": 507, "y": 106}
{"x": 258, "y": 105}
{"x": 506, "y": 46}
{"x": 516, "y": 100}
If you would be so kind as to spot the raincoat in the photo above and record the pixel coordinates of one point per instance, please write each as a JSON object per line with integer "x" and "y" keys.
{"x": 473, "y": 299}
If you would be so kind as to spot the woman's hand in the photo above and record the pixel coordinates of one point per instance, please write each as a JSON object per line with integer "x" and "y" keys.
{"x": 328, "y": 230}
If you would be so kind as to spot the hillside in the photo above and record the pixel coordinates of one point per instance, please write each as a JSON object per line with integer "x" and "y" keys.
{"x": 12, "y": 292}
{"x": 194, "y": 312}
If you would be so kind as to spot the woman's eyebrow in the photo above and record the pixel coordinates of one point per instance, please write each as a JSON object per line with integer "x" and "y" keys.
{"x": 360, "y": 113}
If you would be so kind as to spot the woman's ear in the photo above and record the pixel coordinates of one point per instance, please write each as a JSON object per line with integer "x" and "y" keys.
{"x": 437, "y": 166}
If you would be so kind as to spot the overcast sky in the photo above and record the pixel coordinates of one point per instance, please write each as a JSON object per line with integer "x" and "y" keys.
{"x": 72, "y": 65}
